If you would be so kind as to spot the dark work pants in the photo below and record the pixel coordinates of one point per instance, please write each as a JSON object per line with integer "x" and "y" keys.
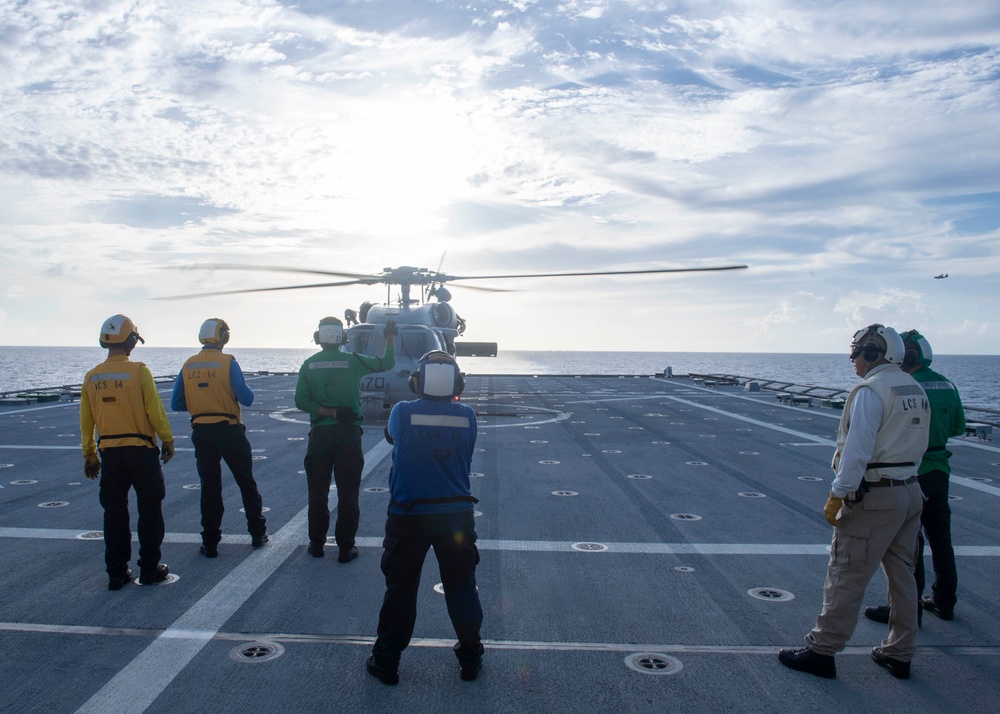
{"x": 122, "y": 468}
{"x": 334, "y": 450}
{"x": 212, "y": 444}
{"x": 407, "y": 540}
{"x": 936, "y": 520}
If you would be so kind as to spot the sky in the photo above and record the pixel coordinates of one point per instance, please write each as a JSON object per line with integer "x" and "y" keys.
{"x": 847, "y": 152}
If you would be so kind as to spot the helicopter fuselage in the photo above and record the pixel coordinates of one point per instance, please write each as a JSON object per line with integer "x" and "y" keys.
{"x": 422, "y": 328}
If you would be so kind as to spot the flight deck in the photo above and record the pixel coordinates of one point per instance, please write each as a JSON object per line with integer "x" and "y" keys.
{"x": 648, "y": 544}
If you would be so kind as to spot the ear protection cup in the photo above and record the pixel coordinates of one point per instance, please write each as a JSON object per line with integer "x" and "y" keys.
{"x": 316, "y": 337}
{"x": 918, "y": 350}
{"x": 870, "y": 352}
{"x": 414, "y": 382}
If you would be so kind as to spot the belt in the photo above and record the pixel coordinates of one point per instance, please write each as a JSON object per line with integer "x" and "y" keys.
{"x": 889, "y": 482}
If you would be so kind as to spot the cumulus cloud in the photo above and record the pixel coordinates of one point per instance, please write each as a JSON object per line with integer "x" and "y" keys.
{"x": 828, "y": 146}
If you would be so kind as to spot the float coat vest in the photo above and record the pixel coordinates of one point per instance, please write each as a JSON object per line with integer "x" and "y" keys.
{"x": 433, "y": 442}
{"x": 904, "y": 429}
{"x": 115, "y": 393}
{"x": 208, "y": 391}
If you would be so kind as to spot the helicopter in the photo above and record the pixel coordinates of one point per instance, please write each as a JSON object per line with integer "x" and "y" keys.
{"x": 426, "y": 323}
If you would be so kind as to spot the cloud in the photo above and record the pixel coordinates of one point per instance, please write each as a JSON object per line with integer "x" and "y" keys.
{"x": 831, "y": 147}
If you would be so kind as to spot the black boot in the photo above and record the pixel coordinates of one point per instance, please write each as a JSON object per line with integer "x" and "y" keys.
{"x": 805, "y": 660}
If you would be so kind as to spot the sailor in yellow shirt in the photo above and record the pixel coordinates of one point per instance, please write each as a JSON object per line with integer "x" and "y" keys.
{"x": 119, "y": 400}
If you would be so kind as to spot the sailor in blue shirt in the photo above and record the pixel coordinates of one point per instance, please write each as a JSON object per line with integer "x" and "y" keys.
{"x": 431, "y": 505}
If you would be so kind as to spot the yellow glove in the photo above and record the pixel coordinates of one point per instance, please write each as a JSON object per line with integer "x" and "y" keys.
{"x": 167, "y": 451}
{"x": 831, "y": 509}
{"x": 92, "y": 466}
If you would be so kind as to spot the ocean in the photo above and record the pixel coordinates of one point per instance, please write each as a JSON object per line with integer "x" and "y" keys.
{"x": 976, "y": 376}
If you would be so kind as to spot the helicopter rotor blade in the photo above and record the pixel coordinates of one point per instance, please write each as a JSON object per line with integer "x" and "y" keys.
{"x": 411, "y": 276}
{"x": 277, "y": 269}
{"x": 444, "y": 278}
{"x": 485, "y": 289}
{"x": 262, "y": 290}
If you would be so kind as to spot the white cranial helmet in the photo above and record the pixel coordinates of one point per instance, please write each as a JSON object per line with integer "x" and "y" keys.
{"x": 877, "y": 341}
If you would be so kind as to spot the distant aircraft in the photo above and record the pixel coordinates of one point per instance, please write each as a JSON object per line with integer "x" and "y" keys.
{"x": 942, "y": 275}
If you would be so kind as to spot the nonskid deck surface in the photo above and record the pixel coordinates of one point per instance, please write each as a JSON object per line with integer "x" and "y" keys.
{"x": 646, "y": 544}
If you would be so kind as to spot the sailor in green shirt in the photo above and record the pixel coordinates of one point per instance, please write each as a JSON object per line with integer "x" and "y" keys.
{"x": 329, "y": 390}
{"x": 947, "y": 420}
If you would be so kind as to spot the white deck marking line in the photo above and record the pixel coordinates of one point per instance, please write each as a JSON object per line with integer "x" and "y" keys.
{"x": 543, "y": 546}
{"x": 973, "y": 445}
{"x": 42, "y": 448}
{"x": 969, "y": 483}
{"x": 280, "y": 415}
{"x": 755, "y": 422}
{"x": 367, "y": 641}
{"x": 38, "y": 409}
{"x": 142, "y": 680}
{"x": 819, "y": 441}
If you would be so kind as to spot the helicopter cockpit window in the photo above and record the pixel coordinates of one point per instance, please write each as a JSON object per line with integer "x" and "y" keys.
{"x": 415, "y": 342}
{"x": 362, "y": 341}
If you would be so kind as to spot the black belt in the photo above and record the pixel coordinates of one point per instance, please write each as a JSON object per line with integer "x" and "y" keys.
{"x": 407, "y": 505}
{"x": 889, "y": 482}
{"x": 214, "y": 414}
{"x": 144, "y": 437}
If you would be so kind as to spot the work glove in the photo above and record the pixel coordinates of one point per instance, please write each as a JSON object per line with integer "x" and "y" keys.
{"x": 390, "y": 329}
{"x": 167, "y": 451}
{"x": 92, "y": 466}
{"x": 831, "y": 509}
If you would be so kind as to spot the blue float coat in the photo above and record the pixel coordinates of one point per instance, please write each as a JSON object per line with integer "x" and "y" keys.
{"x": 433, "y": 442}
